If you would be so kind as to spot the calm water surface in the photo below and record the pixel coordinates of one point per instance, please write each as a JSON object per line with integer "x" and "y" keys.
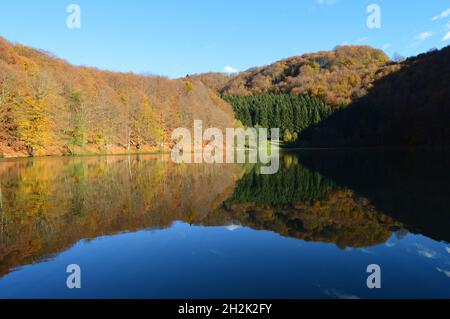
{"x": 143, "y": 227}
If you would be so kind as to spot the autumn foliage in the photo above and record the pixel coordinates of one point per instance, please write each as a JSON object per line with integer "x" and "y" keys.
{"x": 337, "y": 77}
{"x": 48, "y": 106}
{"x": 409, "y": 107}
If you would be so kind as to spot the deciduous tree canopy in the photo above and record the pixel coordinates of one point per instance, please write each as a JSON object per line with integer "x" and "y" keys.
{"x": 48, "y": 106}
{"x": 337, "y": 77}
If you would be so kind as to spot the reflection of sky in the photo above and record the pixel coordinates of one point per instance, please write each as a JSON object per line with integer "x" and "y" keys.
{"x": 185, "y": 261}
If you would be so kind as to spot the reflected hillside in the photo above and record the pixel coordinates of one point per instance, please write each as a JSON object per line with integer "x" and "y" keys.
{"x": 410, "y": 186}
{"x": 301, "y": 203}
{"x": 49, "y": 204}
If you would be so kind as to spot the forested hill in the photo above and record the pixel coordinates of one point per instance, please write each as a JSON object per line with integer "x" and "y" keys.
{"x": 410, "y": 107}
{"x": 48, "y": 106}
{"x": 337, "y": 77}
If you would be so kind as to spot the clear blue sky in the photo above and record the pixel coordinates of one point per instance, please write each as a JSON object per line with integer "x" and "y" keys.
{"x": 181, "y": 37}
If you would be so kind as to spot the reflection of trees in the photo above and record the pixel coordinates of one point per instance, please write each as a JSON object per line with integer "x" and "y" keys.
{"x": 293, "y": 183}
{"x": 301, "y": 203}
{"x": 410, "y": 186}
{"x": 341, "y": 217}
{"x": 2, "y": 215}
{"x": 50, "y": 204}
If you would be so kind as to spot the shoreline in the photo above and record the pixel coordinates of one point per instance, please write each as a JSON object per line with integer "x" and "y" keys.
{"x": 8, "y": 158}
{"x": 58, "y": 151}
{"x": 23, "y": 155}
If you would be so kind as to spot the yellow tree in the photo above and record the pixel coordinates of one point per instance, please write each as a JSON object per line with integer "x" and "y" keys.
{"x": 32, "y": 116}
{"x": 4, "y": 103}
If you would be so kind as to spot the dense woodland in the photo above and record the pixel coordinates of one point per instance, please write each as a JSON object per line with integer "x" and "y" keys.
{"x": 337, "y": 77}
{"x": 373, "y": 101}
{"x": 290, "y": 113}
{"x": 351, "y": 96}
{"x": 48, "y": 106}
{"x": 410, "y": 107}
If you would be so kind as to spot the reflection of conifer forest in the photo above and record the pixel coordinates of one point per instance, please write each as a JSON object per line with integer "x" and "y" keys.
{"x": 294, "y": 183}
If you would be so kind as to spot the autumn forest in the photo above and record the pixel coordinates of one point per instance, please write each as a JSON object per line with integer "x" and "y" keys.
{"x": 49, "y": 107}
{"x": 351, "y": 96}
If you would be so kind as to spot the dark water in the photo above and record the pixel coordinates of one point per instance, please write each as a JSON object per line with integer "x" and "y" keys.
{"x": 143, "y": 227}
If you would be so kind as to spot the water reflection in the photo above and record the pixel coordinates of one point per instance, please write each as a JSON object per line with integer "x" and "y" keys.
{"x": 411, "y": 186}
{"x": 301, "y": 203}
{"x": 50, "y": 204}
{"x": 353, "y": 200}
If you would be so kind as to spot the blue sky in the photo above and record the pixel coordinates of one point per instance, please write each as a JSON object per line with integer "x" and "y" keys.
{"x": 175, "y": 38}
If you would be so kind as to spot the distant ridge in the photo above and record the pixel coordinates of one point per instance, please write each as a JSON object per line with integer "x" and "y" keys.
{"x": 409, "y": 107}
{"x": 337, "y": 77}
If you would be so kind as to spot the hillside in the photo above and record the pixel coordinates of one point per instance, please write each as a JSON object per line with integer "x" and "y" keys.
{"x": 214, "y": 80}
{"x": 337, "y": 77}
{"x": 298, "y": 92}
{"x": 290, "y": 113}
{"x": 48, "y": 106}
{"x": 409, "y": 107}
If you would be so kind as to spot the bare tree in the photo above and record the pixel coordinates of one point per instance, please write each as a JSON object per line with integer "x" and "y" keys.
{"x": 40, "y": 84}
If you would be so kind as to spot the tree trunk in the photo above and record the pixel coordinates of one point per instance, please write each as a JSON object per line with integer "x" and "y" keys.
{"x": 31, "y": 151}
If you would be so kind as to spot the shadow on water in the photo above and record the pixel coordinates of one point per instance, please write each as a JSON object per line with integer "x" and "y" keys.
{"x": 349, "y": 199}
{"x": 410, "y": 186}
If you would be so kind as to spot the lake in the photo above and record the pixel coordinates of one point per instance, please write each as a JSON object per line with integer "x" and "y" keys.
{"x": 144, "y": 227}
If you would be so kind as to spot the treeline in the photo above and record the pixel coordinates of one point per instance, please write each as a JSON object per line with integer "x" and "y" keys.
{"x": 290, "y": 113}
{"x": 410, "y": 107}
{"x": 48, "y": 106}
{"x": 336, "y": 77}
